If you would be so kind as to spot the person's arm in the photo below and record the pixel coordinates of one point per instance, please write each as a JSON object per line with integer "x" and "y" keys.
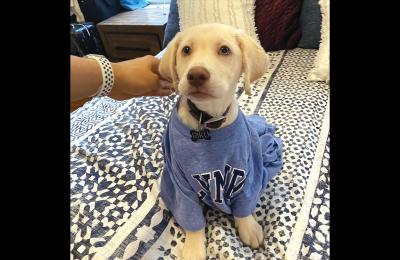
{"x": 132, "y": 78}
{"x": 86, "y": 77}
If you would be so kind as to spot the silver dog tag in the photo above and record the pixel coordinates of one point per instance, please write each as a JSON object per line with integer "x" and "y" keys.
{"x": 201, "y": 133}
{"x": 200, "y": 125}
{"x": 214, "y": 119}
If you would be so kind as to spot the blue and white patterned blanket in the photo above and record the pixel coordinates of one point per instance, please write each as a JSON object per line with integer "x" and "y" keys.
{"x": 116, "y": 162}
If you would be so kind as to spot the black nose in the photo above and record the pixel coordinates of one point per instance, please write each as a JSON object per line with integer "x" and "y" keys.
{"x": 197, "y": 76}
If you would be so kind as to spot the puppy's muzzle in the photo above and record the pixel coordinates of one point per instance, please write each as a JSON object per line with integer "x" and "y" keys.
{"x": 198, "y": 76}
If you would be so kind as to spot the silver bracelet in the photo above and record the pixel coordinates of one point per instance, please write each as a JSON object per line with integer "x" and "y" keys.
{"x": 107, "y": 73}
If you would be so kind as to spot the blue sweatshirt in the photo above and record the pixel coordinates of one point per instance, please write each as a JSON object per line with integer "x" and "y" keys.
{"x": 228, "y": 172}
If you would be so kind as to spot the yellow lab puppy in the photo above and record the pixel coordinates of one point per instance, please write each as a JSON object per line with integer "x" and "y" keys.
{"x": 205, "y": 63}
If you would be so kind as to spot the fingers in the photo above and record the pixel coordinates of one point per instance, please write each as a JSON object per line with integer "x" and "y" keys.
{"x": 164, "y": 89}
{"x": 166, "y": 84}
{"x": 160, "y": 92}
{"x": 153, "y": 63}
{"x": 164, "y": 92}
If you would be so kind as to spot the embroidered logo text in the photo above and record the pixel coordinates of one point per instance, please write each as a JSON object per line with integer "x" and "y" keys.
{"x": 225, "y": 184}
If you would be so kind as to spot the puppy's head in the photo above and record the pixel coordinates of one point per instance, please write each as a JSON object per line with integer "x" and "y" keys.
{"x": 206, "y": 61}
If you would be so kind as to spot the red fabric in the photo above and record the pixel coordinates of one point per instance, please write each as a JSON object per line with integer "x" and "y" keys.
{"x": 277, "y": 23}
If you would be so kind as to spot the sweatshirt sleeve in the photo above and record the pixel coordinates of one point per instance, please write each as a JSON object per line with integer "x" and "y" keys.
{"x": 271, "y": 146}
{"x": 269, "y": 161}
{"x": 177, "y": 193}
{"x": 182, "y": 201}
{"x": 245, "y": 201}
{"x": 243, "y": 205}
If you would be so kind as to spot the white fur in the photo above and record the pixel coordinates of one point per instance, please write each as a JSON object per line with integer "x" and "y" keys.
{"x": 247, "y": 57}
{"x": 250, "y": 231}
{"x": 194, "y": 248}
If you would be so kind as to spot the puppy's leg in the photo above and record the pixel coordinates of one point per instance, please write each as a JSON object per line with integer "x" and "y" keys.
{"x": 194, "y": 248}
{"x": 250, "y": 231}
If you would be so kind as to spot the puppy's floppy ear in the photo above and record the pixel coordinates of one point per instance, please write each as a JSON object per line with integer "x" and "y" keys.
{"x": 254, "y": 60}
{"x": 167, "y": 67}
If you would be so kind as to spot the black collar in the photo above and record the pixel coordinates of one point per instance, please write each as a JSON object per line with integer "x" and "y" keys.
{"x": 207, "y": 120}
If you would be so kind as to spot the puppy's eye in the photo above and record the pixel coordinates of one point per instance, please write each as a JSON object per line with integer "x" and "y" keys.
{"x": 224, "y": 50}
{"x": 186, "y": 50}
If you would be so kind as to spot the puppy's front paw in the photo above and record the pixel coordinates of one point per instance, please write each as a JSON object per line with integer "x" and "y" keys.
{"x": 194, "y": 248}
{"x": 250, "y": 232}
{"x": 194, "y": 251}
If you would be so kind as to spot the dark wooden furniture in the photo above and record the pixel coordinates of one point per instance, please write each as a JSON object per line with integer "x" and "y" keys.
{"x": 135, "y": 33}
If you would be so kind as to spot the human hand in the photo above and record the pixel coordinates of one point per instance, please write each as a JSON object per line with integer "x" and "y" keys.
{"x": 139, "y": 77}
